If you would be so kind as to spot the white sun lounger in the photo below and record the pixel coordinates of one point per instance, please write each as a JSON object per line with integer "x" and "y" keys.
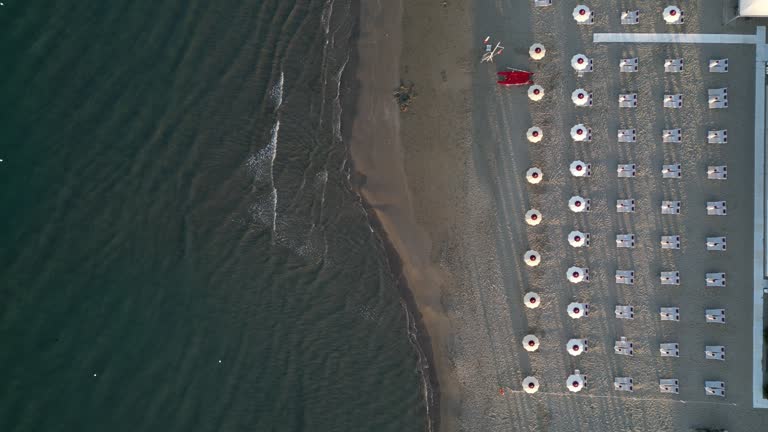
{"x": 719, "y": 136}
{"x": 715, "y": 316}
{"x": 670, "y": 242}
{"x": 626, "y": 170}
{"x": 670, "y": 207}
{"x": 669, "y": 349}
{"x": 673, "y": 101}
{"x": 625, "y": 206}
{"x": 715, "y": 279}
{"x": 623, "y": 384}
{"x": 630, "y": 17}
{"x": 714, "y": 388}
{"x": 623, "y": 347}
{"x": 542, "y": 3}
{"x": 628, "y": 64}
{"x": 625, "y": 312}
{"x": 627, "y": 135}
{"x": 716, "y": 244}
{"x": 625, "y": 277}
{"x": 672, "y": 135}
{"x": 670, "y": 313}
{"x": 669, "y": 385}
{"x": 717, "y": 172}
{"x": 717, "y": 208}
{"x": 671, "y": 171}
{"x": 718, "y": 98}
{"x": 718, "y": 65}
{"x": 628, "y": 100}
{"x": 670, "y": 278}
{"x": 625, "y": 240}
{"x": 673, "y": 65}
{"x": 714, "y": 352}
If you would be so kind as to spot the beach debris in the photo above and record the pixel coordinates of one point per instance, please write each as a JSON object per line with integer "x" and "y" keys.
{"x": 501, "y": 391}
{"x": 716, "y": 243}
{"x": 623, "y": 384}
{"x": 628, "y": 100}
{"x": 669, "y": 349}
{"x": 670, "y": 207}
{"x": 581, "y": 98}
{"x": 581, "y": 63}
{"x": 718, "y": 65}
{"x": 532, "y": 258}
{"x": 582, "y": 15}
{"x": 669, "y": 385}
{"x": 532, "y": 300}
{"x": 576, "y": 347}
{"x": 533, "y": 217}
{"x": 404, "y": 96}
{"x": 625, "y": 240}
{"x": 578, "y": 204}
{"x": 670, "y": 242}
{"x": 626, "y": 170}
{"x": 630, "y": 17}
{"x": 674, "y": 65}
{"x": 578, "y": 310}
{"x": 669, "y": 313}
{"x": 580, "y": 132}
{"x": 535, "y": 92}
{"x": 537, "y": 51}
{"x": 625, "y": 205}
{"x": 624, "y": 347}
{"x": 625, "y": 277}
{"x": 715, "y": 316}
{"x": 627, "y": 135}
{"x": 578, "y": 239}
{"x": 580, "y": 169}
{"x": 542, "y": 3}
{"x": 671, "y": 171}
{"x": 715, "y": 279}
{"x": 717, "y": 136}
{"x": 673, "y": 101}
{"x": 718, "y": 98}
{"x": 531, "y": 343}
{"x": 534, "y": 175}
{"x": 534, "y": 134}
{"x": 672, "y": 135}
{"x": 717, "y": 208}
{"x": 628, "y": 65}
{"x": 714, "y": 352}
{"x": 576, "y": 381}
{"x": 625, "y": 312}
{"x": 672, "y": 15}
{"x": 714, "y": 388}
{"x": 530, "y": 384}
{"x": 670, "y": 277}
{"x": 490, "y": 51}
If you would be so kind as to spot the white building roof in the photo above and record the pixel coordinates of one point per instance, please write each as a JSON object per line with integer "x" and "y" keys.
{"x": 753, "y": 8}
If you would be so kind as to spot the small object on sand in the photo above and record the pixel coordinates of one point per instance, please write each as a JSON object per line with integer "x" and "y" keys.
{"x": 404, "y": 95}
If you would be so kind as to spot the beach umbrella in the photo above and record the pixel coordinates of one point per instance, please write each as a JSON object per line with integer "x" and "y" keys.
{"x": 530, "y": 384}
{"x": 532, "y": 258}
{"x": 577, "y": 204}
{"x": 579, "y": 132}
{"x": 579, "y": 168}
{"x": 576, "y": 274}
{"x": 580, "y": 97}
{"x": 575, "y": 347}
{"x": 576, "y": 382}
{"x": 535, "y": 92}
{"x": 672, "y": 14}
{"x": 533, "y": 217}
{"x": 532, "y": 300}
{"x": 537, "y": 51}
{"x": 530, "y": 343}
{"x": 580, "y": 62}
{"x": 581, "y": 13}
{"x": 577, "y": 238}
{"x": 577, "y": 310}
{"x": 534, "y": 175}
{"x": 534, "y": 134}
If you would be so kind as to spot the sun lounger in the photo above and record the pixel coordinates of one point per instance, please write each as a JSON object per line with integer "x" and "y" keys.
{"x": 625, "y": 206}
{"x": 718, "y": 98}
{"x": 670, "y": 278}
{"x": 717, "y": 172}
{"x": 628, "y": 100}
{"x": 623, "y": 347}
{"x": 718, "y": 136}
{"x": 670, "y": 207}
{"x": 625, "y": 277}
{"x": 628, "y": 64}
{"x": 670, "y": 242}
{"x": 714, "y": 388}
{"x": 669, "y": 349}
{"x": 670, "y": 313}
{"x": 673, "y": 101}
{"x": 626, "y": 170}
{"x": 717, "y": 208}
{"x": 625, "y": 240}
{"x": 669, "y": 385}
{"x": 630, "y": 17}
{"x": 625, "y": 312}
{"x": 673, "y": 65}
{"x": 714, "y": 352}
{"x": 715, "y": 279}
{"x": 627, "y": 135}
{"x": 672, "y": 135}
{"x": 716, "y": 244}
{"x": 671, "y": 171}
{"x": 715, "y": 316}
{"x": 542, "y": 3}
{"x": 623, "y": 384}
{"x": 718, "y": 65}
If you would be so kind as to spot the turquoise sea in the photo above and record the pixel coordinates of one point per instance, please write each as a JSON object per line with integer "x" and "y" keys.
{"x": 179, "y": 248}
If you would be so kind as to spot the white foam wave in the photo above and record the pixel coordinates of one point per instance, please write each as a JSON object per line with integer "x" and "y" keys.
{"x": 276, "y": 93}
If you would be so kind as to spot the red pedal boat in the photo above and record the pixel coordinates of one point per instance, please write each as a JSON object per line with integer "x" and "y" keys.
{"x": 515, "y": 77}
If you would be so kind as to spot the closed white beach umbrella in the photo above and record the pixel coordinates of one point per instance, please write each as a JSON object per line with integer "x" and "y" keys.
{"x": 532, "y": 258}
{"x": 576, "y": 382}
{"x": 533, "y": 217}
{"x": 577, "y": 310}
{"x": 576, "y": 275}
{"x": 672, "y": 14}
{"x": 577, "y": 204}
{"x": 531, "y": 343}
{"x": 530, "y": 384}
{"x": 580, "y": 62}
{"x": 534, "y": 134}
{"x": 534, "y": 175}
{"x": 579, "y": 168}
{"x": 532, "y": 300}
{"x": 535, "y": 92}
{"x": 581, "y": 13}
{"x": 575, "y": 347}
{"x": 577, "y": 238}
{"x": 579, "y": 132}
{"x": 580, "y": 97}
{"x": 537, "y": 51}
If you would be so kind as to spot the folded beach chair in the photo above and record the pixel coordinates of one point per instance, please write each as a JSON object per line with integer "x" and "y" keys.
{"x": 669, "y": 349}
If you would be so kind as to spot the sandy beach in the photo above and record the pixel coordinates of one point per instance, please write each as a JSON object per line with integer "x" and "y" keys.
{"x": 445, "y": 182}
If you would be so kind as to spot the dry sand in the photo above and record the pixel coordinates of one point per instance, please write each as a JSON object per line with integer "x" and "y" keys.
{"x": 446, "y": 182}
